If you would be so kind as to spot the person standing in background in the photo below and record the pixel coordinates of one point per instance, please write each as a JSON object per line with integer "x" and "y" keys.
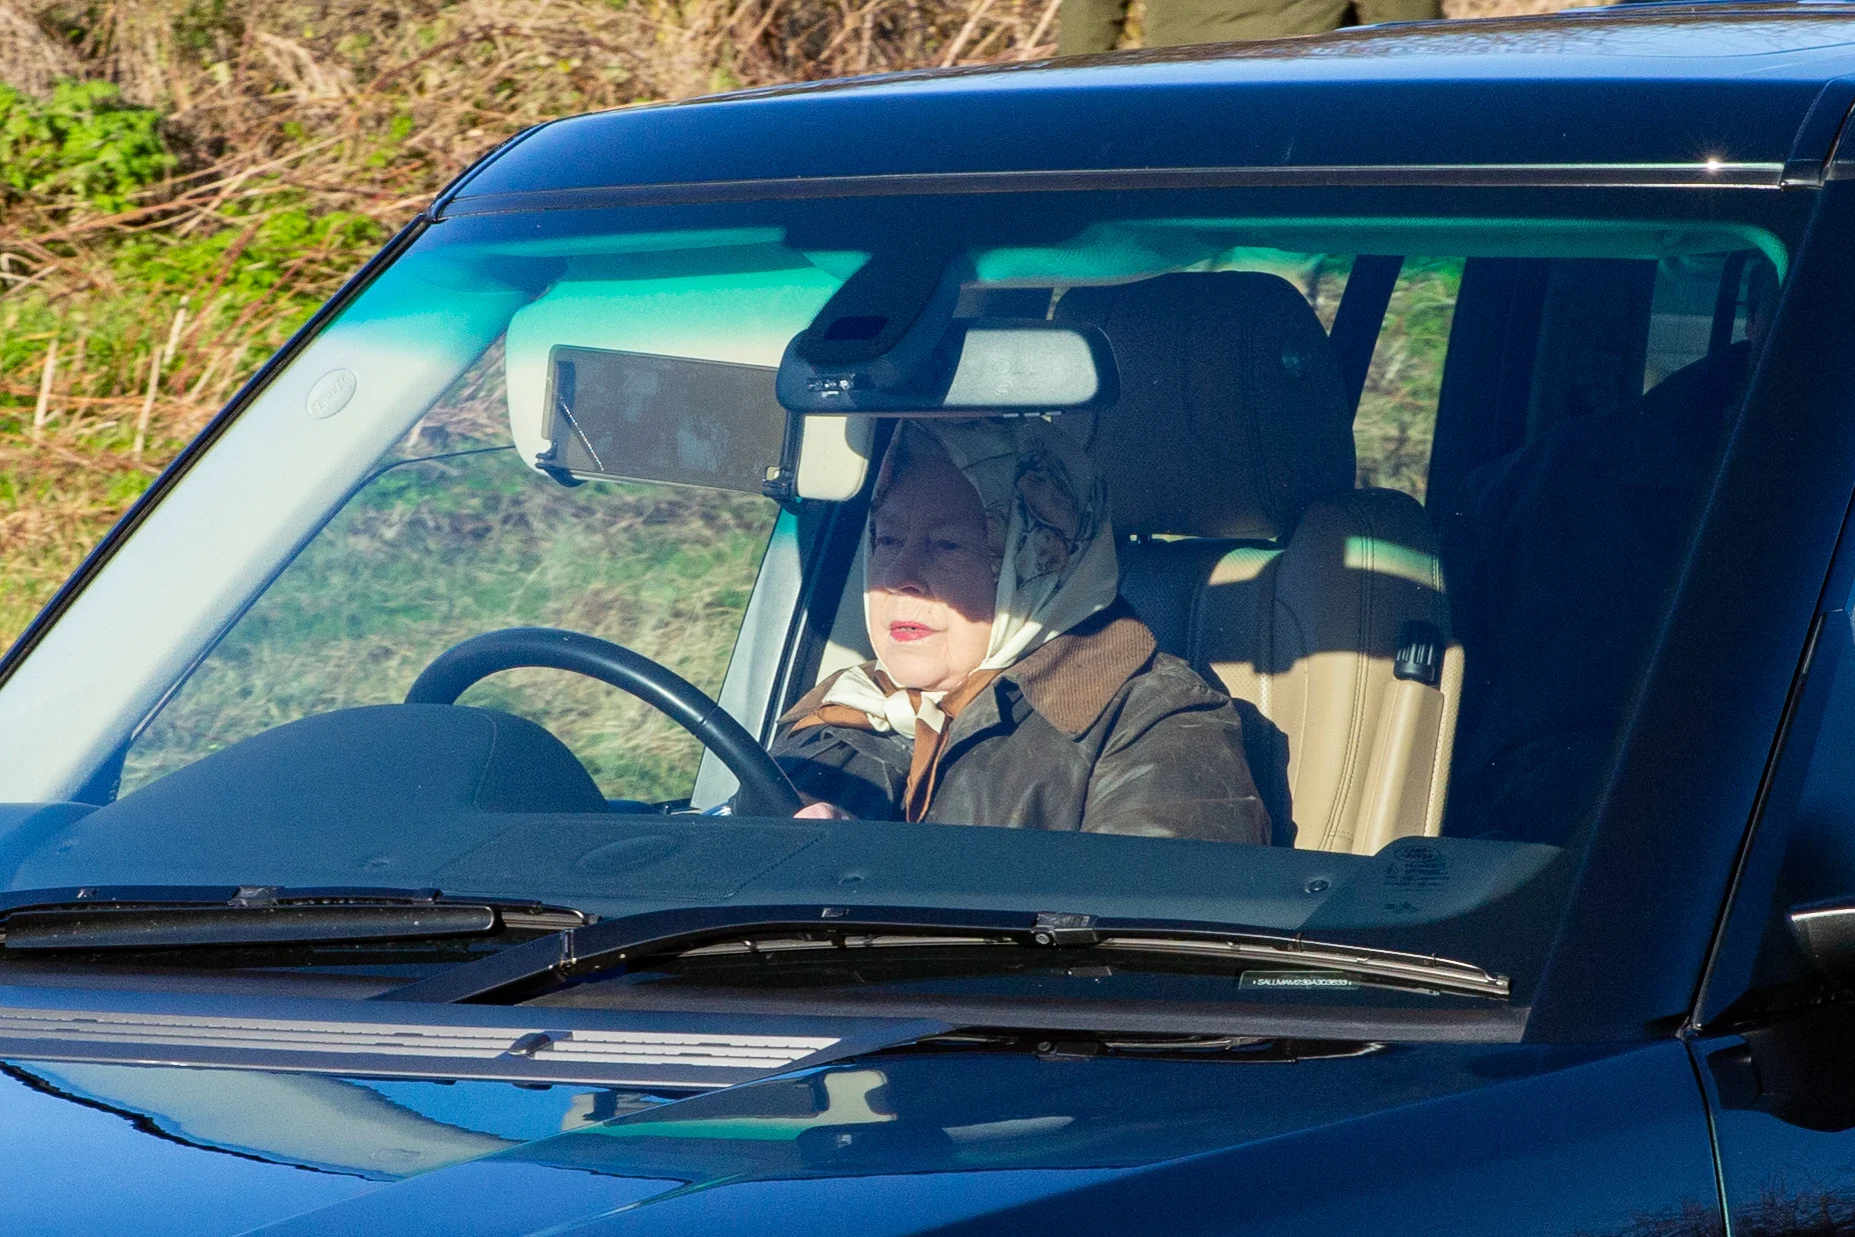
{"x": 1095, "y": 25}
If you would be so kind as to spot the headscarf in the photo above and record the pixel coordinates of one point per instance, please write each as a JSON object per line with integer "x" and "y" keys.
{"x": 1052, "y": 549}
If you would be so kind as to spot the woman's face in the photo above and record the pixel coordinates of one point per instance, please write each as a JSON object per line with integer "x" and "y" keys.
{"x": 931, "y": 589}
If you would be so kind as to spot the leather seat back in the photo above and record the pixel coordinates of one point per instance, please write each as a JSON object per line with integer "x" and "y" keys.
{"x": 1229, "y": 460}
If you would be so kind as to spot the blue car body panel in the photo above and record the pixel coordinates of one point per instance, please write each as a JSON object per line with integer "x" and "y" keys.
{"x": 1399, "y": 1139}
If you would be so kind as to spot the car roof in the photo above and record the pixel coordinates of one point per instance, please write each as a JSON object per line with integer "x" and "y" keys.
{"x": 1706, "y": 85}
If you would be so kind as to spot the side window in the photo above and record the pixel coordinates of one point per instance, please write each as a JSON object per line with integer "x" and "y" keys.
{"x": 1700, "y": 307}
{"x": 1586, "y": 405}
{"x": 1396, "y": 421}
{"x": 455, "y": 535}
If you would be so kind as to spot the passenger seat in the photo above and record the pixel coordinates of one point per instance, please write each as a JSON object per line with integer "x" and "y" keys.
{"x": 1245, "y": 547}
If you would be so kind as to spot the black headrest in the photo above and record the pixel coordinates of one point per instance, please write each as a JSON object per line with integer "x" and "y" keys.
{"x": 1233, "y": 416}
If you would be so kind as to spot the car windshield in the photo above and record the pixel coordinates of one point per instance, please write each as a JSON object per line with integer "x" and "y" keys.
{"x": 1324, "y": 566}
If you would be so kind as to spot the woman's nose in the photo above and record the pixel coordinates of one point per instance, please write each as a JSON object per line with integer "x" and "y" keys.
{"x": 905, "y": 572}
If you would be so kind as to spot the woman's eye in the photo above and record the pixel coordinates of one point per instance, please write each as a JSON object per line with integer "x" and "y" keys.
{"x": 949, "y": 547}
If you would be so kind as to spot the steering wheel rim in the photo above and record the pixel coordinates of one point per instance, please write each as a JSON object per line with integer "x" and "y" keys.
{"x": 765, "y": 788}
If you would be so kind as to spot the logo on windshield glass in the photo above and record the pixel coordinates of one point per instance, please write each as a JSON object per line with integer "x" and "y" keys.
{"x": 331, "y": 393}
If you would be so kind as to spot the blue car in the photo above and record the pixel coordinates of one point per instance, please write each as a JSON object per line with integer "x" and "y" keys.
{"x": 463, "y": 795}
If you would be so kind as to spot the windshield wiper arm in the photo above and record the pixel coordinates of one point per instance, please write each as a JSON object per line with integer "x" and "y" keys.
{"x": 139, "y": 918}
{"x": 524, "y": 970}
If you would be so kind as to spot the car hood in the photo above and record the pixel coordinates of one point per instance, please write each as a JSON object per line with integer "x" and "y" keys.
{"x": 1025, "y": 1135}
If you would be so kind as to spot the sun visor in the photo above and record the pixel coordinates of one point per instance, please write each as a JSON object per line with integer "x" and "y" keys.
{"x": 673, "y": 381}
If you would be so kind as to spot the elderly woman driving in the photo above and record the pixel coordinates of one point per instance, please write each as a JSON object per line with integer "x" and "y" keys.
{"x": 1012, "y": 685}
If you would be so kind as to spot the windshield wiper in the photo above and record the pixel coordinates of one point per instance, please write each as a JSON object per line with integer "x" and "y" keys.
{"x": 144, "y": 918}
{"x": 524, "y": 970}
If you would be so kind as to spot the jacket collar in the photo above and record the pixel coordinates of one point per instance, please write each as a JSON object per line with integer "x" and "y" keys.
{"x": 1071, "y": 678}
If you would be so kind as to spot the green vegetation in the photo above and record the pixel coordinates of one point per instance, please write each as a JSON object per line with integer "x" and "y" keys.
{"x": 84, "y": 144}
{"x": 433, "y": 553}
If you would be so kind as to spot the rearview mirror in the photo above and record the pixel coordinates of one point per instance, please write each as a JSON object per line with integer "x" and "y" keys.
{"x": 978, "y": 365}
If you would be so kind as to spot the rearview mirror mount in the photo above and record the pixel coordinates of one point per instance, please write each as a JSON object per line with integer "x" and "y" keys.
{"x": 888, "y": 343}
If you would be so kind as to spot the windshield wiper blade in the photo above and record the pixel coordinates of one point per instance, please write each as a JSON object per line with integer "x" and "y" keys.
{"x": 141, "y": 918}
{"x": 1418, "y": 970}
{"x": 525, "y": 970}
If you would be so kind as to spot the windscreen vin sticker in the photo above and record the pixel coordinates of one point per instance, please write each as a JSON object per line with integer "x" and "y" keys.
{"x": 1296, "y": 980}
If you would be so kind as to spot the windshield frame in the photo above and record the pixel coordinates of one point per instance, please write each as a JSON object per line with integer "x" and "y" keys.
{"x": 172, "y": 476}
{"x": 1699, "y": 174}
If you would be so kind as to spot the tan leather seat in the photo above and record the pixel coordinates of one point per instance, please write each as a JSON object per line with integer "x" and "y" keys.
{"x": 1229, "y": 458}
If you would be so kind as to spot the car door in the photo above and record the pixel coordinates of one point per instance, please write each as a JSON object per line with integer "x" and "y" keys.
{"x": 1778, "y": 1066}
{"x": 1773, "y": 1033}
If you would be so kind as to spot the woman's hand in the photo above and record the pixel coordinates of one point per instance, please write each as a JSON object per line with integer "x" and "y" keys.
{"x": 822, "y": 811}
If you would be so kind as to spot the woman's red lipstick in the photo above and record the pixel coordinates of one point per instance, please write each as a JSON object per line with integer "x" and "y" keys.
{"x": 905, "y": 632}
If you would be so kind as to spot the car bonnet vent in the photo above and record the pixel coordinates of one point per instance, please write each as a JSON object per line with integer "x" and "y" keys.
{"x": 526, "y": 1054}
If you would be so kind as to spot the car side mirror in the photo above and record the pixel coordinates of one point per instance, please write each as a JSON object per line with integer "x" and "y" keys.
{"x": 1825, "y": 932}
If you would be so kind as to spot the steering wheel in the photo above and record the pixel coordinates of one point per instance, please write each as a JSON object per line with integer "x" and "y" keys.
{"x": 765, "y": 789}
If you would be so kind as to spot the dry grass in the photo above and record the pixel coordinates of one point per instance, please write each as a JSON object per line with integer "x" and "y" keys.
{"x": 293, "y": 137}
{"x": 1507, "y": 8}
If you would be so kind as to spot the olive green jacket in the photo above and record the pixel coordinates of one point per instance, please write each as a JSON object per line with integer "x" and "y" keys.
{"x": 1095, "y": 25}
